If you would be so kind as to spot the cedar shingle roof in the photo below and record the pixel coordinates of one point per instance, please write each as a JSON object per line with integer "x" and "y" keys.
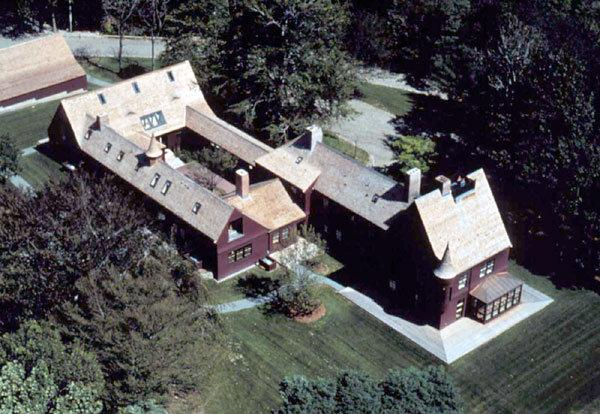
{"x": 362, "y": 190}
{"x": 470, "y": 225}
{"x": 124, "y": 107}
{"x": 269, "y": 205}
{"x": 36, "y": 64}
{"x": 226, "y": 136}
{"x": 183, "y": 194}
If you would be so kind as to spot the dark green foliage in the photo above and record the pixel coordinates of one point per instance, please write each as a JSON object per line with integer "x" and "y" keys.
{"x": 217, "y": 160}
{"x": 411, "y": 391}
{"x": 64, "y": 232}
{"x": 413, "y": 151}
{"x": 9, "y": 158}
{"x": 149, "y": 328}
{"x": 419, "y": 391}
{"x": 297, "y": 294}
{"x": 277, "y": 65}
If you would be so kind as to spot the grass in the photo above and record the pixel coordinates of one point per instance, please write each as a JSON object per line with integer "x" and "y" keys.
{"x": 389, "y": 99}
{"x": 28, "y": 125}
{"x": 228, "y": 291}
{"x": 346, "y": 147}
{"x": 107, "y": 68}
{"x": 548, "y": 363}
{"x": 38, "y": 169}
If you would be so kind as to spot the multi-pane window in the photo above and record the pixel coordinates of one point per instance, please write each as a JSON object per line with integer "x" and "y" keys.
{"x": 239, "y": 254}
{"x": 107, "y": 147}
{"x": 392, "y": 284}
{"x": 166, "y": 187}
{"x": 460, "y": 307}
{"x": 338, "y": 235}
{"x": 462, "y": 281}
{"x": 275, "y": 237}
{"x": 285, "y": 234}
{"x": 120, "y": 155}
{"x": 487, "y": 268}
{"x": 154, "y": 180}
{"x": 196, "y": 208}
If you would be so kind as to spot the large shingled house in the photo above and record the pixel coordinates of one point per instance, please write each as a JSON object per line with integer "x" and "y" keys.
{"x": 446, "y": 250}
{"x": 38, "y": 69}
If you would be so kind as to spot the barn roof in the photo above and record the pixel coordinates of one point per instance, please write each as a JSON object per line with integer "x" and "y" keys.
{"x": 469, "y": 226}
{"x": 36, "y": 64}
{"x": 123, "y": 158}
{"x": 269, "y": 204}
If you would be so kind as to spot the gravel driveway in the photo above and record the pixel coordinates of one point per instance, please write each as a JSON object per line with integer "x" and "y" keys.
{"x": 368, "y": 128}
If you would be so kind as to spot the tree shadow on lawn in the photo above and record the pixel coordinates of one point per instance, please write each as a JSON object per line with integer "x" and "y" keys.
{"x": 255, "y": 286}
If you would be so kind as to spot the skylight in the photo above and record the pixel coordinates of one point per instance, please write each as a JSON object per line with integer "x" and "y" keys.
{"x": 153, "y": 120}
{"x": 154, "y": 180}
{"x": 101, "y": 98}
{"x": 166, "y": 187}
{"x": 196, "y": 208}
{"x": 170, "y": 76}
{"x": 136, "y": 87}
{"x": 107, "y": 147}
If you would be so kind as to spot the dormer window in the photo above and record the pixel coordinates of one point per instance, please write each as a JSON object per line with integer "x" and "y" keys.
{"x": 120, "y": 155}
{"x": 170, "y": 76}
{"x": 101, "y": 98}
{"x": 154, "y": 180}
{"x": 136, "y": 87}
{"x": 107, "y": 147}
{"x": 196, "y": 208}
{"x": 166, "y": 187}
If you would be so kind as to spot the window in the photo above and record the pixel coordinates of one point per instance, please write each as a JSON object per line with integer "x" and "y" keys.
{"x": 239, "y": 254}
{"x": 285, "y": 234}
{"x": 107, "y": 147}
{"x": 460, "y": 307}
{"x": 101, "y": 98}
{"x": 275, "y": 238}
{"x": 392, "y": 284}
{"x": 154, "y": 180}
{"x": 196, "y": 208}
{"x": 325, "y": 228}
{"x": 166, "y": 187}
{"x": 325, "y": 202}
{"x": 338, "y": 235}
{"x": 170, "y": 76}
{"x": 487, "y": 268}
{"x": 136, "y": 87}
{"x": 462, "y": 281}
{"x": 120, "y": 155}
{"x": 153, "y": 120}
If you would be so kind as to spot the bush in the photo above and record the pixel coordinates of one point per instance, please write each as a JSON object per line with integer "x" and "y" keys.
{"x": 298, "y": 294}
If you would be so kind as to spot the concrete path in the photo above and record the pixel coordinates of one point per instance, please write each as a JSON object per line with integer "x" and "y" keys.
{"x": 459, "y": 338}
{"x": 368, "y": 128}
{"x": 96, "y": 81}
{"x": 241, "y": 304}
{"x": 28, "y": 151}
{"x": 20, "y": 183}
{"x": 96, "y": 44}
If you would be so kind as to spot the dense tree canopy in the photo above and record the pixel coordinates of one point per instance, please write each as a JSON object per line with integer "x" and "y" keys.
{"x": 9, "y": 158}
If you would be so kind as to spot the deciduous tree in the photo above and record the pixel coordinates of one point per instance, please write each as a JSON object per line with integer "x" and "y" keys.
{"x": 9, "y": 158}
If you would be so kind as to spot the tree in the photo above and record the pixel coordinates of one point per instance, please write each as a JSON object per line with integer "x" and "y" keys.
{"x": 121, "y": 11}
{"x": 9, "y": 158}
{"x": 411, "y": 391}
{"x": 65, "y": 231}
{"x": 413, "y": 151}
{"x": 154, "y": 14}
{"x": 149, "y": 327}
{"x": 278, "y": 65}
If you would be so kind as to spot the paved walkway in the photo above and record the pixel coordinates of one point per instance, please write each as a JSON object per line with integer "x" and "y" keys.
{"x": 459, "y": 338}
{"x": 368, "y": 128}
{"x": 383, "y": 77}
{"x": 96, "y": 81}
{"x": 20, "y": 183}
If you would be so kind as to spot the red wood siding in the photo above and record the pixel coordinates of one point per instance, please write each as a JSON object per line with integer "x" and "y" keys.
{"x": 68, "y": 86}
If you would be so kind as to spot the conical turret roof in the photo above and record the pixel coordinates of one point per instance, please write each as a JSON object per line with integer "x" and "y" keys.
{"x": 446, "y": 269}
{"x": 154, "y": 150}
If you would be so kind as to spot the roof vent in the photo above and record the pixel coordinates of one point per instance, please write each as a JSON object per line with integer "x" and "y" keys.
{"x": 375, "y": 198}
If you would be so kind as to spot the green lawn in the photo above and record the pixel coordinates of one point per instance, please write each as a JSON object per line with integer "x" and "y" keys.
{"x": 548, "y": 363}
{"x": 38, "y": 169}
{"x": 228, "y": 290}
{"x": 29, "y": 125}
{"x": 392, "y": 100}
{"x": 346, "y": 147}
{"x": 107, "y": 68}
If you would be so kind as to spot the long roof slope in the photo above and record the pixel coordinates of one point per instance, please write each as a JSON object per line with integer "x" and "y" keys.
{"x": 466, "y": 230}
{"x": 36, "y": 64}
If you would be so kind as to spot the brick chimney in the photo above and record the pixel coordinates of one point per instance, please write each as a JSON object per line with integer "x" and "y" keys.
{"x": 413, "y": 184}
{"x": 444, "y": 184}
{"x": 315, "y": 134}
{"x": 242, "y": 183}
